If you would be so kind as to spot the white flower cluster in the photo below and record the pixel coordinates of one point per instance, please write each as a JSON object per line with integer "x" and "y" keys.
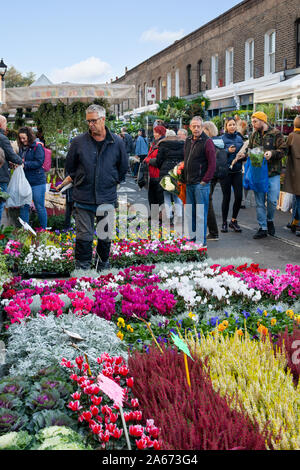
{"x": 188, "y": 280}
{"x": 42, "y": 253}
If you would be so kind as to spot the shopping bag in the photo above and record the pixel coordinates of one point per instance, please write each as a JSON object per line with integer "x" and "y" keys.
{"x": 19, "y": 189}
{"x": 287, "y": 202}
{"x": 142, "y": 176}
{"x": 256, "y": 177}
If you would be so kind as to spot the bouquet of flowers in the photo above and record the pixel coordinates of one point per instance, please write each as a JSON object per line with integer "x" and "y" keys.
{"x": 256, "y": 156}
{"x": 173, "y": 181}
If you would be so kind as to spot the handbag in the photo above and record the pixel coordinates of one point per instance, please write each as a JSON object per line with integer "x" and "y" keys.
{"x": 256, "y": 177}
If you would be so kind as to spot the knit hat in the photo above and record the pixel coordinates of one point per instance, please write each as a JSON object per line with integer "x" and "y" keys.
{"x": 261, "y": 116}
{"x": 161, "y": 130}
{"x": 297, "y": 122}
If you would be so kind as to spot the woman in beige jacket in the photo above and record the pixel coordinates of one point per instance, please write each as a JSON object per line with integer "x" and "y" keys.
{"x": 292, "y": 175}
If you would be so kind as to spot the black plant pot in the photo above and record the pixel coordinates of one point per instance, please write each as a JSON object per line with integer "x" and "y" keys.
{"x": 45, "y": 275}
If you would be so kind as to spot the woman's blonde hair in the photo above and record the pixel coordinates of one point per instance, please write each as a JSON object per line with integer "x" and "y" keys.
{"x": 211, "y": 127}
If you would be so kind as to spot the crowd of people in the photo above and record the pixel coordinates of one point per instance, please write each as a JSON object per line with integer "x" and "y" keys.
{"x": 209, "y": 159}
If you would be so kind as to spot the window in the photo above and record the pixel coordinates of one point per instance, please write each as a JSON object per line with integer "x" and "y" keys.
{"x": 249, "y": 59}
{"x": 298, "y": 43}
{"x": 160, "y": 89}
{"x": 214, "y": 71}
{"x": 200, "y": 71}
{"x": 270, "y": 40}
{"x": 188, "y": 80}
{"x": 145, "y": 91}
{"x": 139, "y": 96}
{"x": 177, "y": 83}
{"x": 229, "y": 66}
{"x": 169, "y": 85}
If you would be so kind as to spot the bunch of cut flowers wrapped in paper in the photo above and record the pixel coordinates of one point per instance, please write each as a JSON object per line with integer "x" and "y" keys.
{"x": 173, "y": 182}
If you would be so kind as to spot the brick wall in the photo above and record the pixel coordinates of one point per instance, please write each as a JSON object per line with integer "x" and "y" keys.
{"x": 249, "y": 19}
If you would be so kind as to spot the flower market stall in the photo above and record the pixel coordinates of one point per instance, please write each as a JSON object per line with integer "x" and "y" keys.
{"x": 108, "y": 362}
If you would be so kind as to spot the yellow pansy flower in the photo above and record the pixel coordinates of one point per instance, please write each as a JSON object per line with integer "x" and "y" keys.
{"x": 120, "y": 335}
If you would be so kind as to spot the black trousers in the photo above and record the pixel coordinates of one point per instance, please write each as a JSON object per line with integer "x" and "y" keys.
{"x": 235, "y": 181}
{"x": 155, "y": 192}
{"x": 211, "y": 216}
{"x": 85, "y": 228}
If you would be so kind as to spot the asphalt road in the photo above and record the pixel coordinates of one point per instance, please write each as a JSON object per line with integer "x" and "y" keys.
{"x": 271, "y": 252}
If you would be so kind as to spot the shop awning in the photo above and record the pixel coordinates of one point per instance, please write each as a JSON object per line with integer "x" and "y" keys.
{"x": 287, "y": 91}
{"x": 34, "y": 96}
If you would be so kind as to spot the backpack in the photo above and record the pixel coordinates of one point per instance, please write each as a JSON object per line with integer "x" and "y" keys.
{"x": 48, "y": 158}
{"x": 221, "y": 164}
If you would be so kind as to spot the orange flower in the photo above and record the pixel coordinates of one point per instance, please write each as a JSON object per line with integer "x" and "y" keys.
{"x": 273, "y": 321}
{"x": 262, "y": 330}
{"x": 240, "y": 332}
{"x": 221, "y": 327}
{"x": 225, "y": 323}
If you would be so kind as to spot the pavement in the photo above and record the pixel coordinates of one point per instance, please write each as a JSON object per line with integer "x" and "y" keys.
{"x": 271, "y": 252}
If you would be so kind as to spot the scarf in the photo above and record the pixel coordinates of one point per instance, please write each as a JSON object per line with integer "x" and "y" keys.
{"x": 296, "y": 129}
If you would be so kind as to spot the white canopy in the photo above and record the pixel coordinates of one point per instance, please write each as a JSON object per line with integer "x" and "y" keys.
{"x": 35, "y": 95}
{"x": 287, "y": 91}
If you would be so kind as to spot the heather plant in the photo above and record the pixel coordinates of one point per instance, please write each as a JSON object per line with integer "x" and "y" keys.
{"x": 40, "y": 342}
{"x": 190, "y": 418}
{"x": 263, "y": 386}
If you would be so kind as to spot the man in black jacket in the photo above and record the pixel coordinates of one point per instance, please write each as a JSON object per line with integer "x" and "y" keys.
{"x": 96, "y": 163}
{"x": 10, "y": 156}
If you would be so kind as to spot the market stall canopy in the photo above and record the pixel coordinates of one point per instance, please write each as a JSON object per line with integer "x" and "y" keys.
{"x": 35, "y": 95}
{"x": 287, "y": 91}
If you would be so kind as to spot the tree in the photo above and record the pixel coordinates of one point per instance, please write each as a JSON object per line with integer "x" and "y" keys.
{"x": 14, "y": 78}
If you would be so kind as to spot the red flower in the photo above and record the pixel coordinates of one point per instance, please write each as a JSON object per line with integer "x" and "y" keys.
{"x": 87, "y": 416}
{"x": 142, "y": 444}
{"x": 129, "y": 382}
{"x": 76, "y": 396}
{"x": 74, "y": 405}
{"x": 117, "y": 433}
{"x": 96, "y": 428}
{"x": 96, "y": 400}
{"x": 94, "y": 410}
{"x": 136, "y": 430}
{"x": 104, "y": 436}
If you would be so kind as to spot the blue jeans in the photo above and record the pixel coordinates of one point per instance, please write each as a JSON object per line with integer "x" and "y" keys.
{"x": 3, "y": 187}
{"x": 168, "y": 205}
{"x": 38, "y": 196}
{"x": 196, "y": 210}
{"x": 266, "y": 214}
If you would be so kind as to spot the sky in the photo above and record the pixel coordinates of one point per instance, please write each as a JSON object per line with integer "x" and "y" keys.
{"x": 93, "y": 41}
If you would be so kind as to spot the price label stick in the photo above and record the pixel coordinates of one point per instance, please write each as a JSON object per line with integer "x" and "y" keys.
{"x": 183, "y": 347}
{"x": 151, "y": 332}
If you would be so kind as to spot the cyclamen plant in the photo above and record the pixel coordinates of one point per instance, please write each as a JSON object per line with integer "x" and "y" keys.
{"x": 96, "y": 411}
{"x": 47, "y": 258}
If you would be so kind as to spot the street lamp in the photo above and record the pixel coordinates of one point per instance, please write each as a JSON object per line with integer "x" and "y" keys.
{"x": 3, "y": 69}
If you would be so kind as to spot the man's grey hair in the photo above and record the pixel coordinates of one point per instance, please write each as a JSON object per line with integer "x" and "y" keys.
{"x": 95, "y": 108}
{"x": 183, "y": 131}
{"x": 211, "y": 127}
{"x": 197, "y": 118}
{"x": 3, "y": 120}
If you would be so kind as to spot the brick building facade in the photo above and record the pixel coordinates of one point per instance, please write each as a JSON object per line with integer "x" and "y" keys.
{"x": 256, "y": 43}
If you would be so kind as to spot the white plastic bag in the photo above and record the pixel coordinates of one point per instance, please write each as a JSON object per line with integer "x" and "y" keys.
{"x": 19, "y": 189}
{"x": 287, "y": 202}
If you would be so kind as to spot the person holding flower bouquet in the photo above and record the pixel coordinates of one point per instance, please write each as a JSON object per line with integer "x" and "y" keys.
{"x": 170, "y": 153}
{"x": 274, "y": 147}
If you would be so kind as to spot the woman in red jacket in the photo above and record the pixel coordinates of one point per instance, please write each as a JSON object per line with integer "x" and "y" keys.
{"x": 155, "y": 191}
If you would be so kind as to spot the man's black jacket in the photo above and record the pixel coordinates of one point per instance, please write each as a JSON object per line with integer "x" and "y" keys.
{"x": 10, "y": 156}
{"x": 95, "y": 173}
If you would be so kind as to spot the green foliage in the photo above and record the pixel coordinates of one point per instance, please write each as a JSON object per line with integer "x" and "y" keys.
{"x": 59, "y": 438}
{"x": 41, "y": 342}
{"x": 14, "y": 78}
{"x": 57, "y": 121}
{"x": 15, "y": 441}
{"x": 179, "y": 108}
